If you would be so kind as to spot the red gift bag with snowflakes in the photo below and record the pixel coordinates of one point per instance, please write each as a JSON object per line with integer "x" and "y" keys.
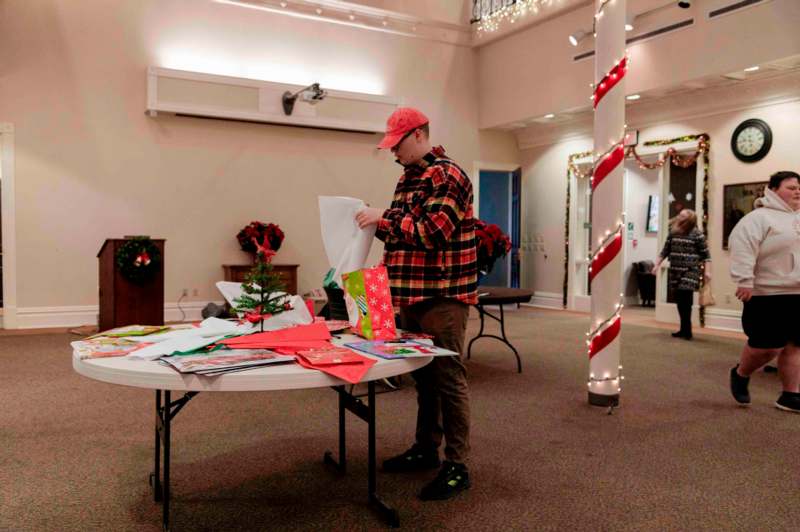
{"x": 369, "y": 303}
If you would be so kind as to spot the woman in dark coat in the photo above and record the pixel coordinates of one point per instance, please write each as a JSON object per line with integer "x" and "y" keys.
{"x": 689, "y": 262}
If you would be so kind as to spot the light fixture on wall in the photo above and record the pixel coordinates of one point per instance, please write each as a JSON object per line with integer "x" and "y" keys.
{"x": 629, "y": 19}
{"x": 577, "y": 37}
{"x": 311, "y": 94}
{"x": 752, "y": 68}
{"x": 633, "y": 97}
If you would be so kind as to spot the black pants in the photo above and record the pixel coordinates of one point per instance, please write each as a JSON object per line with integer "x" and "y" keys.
{"x": 684, "y": 300}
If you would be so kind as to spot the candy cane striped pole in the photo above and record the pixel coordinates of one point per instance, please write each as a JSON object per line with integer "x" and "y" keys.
{"x": 608, "y": 220}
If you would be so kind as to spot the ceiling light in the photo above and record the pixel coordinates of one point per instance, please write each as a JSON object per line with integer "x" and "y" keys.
{"x": 549, "y": 115}
{"x": 284, "y": 4}
{"x": 633, "y": 97}
{"x": 751, "y": 69}
{"x": 319, "y": 11}
{"x": 577, "y": 37}
{"x": 385, "y": 22}
{"x": 351, "y": 16}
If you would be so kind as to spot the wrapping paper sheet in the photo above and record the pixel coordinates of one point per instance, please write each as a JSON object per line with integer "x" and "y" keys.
{"x": 346, "y": 246}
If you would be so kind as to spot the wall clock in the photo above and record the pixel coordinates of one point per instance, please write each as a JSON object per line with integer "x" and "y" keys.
{"x": 751, "y": 140}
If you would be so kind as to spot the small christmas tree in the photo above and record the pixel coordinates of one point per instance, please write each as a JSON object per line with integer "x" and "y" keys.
{"x": 263, "y": 290}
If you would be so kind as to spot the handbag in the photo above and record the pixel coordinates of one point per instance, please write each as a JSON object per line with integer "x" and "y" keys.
{"x": 706, "y": 297}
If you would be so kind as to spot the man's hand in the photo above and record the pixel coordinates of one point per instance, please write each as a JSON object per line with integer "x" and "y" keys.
{"x": 744, "y": 294}
{"x": 368, "y": 216}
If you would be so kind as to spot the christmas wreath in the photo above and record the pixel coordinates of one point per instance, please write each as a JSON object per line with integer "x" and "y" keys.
{"x": 260, "y": 231}
{"x": 138, "y": 259}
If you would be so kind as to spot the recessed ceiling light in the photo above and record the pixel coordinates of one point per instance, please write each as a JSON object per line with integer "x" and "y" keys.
{"x": 351, "y": 16}
{"x": 549, "y": 115}
{"x": 319, "y": 11}
{"x": 633, "y": 97}
{"x": 284, "y": 4}
{"x": 385, "y": 22}
{"x": 751, "y": 69}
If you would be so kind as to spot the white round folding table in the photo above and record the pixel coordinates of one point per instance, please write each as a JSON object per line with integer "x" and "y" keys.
{"x": 165, "y": 380}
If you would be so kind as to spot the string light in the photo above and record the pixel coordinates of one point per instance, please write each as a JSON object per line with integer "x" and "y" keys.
{"x": 513, "y": 12}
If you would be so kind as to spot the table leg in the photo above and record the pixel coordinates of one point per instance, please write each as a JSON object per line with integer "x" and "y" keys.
{"x": 341, "y": 464}
{"x": 165, "y": 411}
{"x": 354, "y": 404}
{"x": 503, "y": 338}
{"x": 480, "y": 333}
{"x": 155, "y": 476}
{"x": 389, "y": 514}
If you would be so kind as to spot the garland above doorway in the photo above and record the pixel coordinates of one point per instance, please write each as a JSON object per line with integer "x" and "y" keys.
{"x": 684, "y": 161}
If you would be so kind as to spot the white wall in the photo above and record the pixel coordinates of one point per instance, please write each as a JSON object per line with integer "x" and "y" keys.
{"x": 90, "y": 165}
{"x": 535, "y": 72}
{"x": 544, "y": 186}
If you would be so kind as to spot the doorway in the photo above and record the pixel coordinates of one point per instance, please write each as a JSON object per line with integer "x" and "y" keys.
{"x": 681, "y": 188}
{"x": 651, "y": 198}
{"x": 499, "y": 204}
{"x": 641, "y": 202}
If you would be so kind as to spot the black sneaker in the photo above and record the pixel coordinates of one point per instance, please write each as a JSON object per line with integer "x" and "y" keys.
{"x": 739, "y": 387}
{"x": 452, "y": 479}
{"x": 414, "y": 459}
{"x": 789, "y": 401}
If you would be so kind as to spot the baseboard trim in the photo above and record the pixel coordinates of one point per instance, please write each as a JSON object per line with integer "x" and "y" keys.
{"x": 546, "y": 300}
{"x": 76, "y": 316}
{"x": 724, "y": 319}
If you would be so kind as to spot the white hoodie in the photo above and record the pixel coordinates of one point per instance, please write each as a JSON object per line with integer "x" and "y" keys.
{"x": 765, "y": 248}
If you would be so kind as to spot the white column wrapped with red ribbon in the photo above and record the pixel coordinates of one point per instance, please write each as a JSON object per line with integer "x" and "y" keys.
{"x": 608, "y": 220}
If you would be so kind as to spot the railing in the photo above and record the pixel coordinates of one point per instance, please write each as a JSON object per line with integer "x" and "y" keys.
{"x": 484, "y": 8}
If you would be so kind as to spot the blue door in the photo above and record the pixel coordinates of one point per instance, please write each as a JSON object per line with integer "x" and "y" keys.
{"x": 497, "y": 206}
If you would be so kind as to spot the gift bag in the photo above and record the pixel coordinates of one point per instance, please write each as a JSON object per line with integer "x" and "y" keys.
{"x": 369, "y": 303}
{"x": 706, "y": 297}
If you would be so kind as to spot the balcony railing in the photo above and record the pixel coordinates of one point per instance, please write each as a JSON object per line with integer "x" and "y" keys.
{"x": 484, "y": 8}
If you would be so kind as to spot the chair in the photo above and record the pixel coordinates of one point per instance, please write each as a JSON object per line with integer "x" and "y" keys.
{"x": 646, "y": 281}
{"x": 335, "y": 308}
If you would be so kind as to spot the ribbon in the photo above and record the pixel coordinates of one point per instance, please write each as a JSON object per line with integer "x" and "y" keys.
{"x": 602, "y": 340}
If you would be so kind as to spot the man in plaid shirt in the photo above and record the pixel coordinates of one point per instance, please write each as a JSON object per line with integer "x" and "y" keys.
{"x": 429, "y": 236}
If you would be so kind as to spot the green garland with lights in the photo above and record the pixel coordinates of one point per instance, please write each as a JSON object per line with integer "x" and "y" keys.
{"x": 571, "y": 169}
{"x": 704, "y": 148}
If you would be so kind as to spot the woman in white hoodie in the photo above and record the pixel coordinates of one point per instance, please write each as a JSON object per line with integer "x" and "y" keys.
{"x": 765, "y": 265}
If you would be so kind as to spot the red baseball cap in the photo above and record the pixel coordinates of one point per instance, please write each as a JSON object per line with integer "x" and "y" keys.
{"x": 402, "y": 120}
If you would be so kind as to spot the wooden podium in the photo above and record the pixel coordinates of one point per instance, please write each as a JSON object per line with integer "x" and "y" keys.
{"x": 123, "y": 302}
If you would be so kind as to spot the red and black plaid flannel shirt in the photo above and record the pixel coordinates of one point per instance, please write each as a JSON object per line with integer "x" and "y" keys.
{"x": 429, "y": 233}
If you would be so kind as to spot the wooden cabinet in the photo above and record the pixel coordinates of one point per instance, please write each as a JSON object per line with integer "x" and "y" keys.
{"x": 288, "y": 273}
{"x": 123, "y": 302}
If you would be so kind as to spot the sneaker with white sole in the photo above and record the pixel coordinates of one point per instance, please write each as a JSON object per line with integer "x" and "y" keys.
{"x": 789, "y": 402}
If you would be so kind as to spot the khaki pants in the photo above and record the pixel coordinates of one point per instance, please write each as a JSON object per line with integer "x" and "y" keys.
{"x": 442, "y": 392}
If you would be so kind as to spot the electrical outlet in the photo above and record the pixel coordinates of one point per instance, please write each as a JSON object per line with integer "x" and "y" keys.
{"x": 184, "y": 292}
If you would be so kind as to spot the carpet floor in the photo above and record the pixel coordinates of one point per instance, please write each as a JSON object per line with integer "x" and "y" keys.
{"x": 75, "y": 454}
